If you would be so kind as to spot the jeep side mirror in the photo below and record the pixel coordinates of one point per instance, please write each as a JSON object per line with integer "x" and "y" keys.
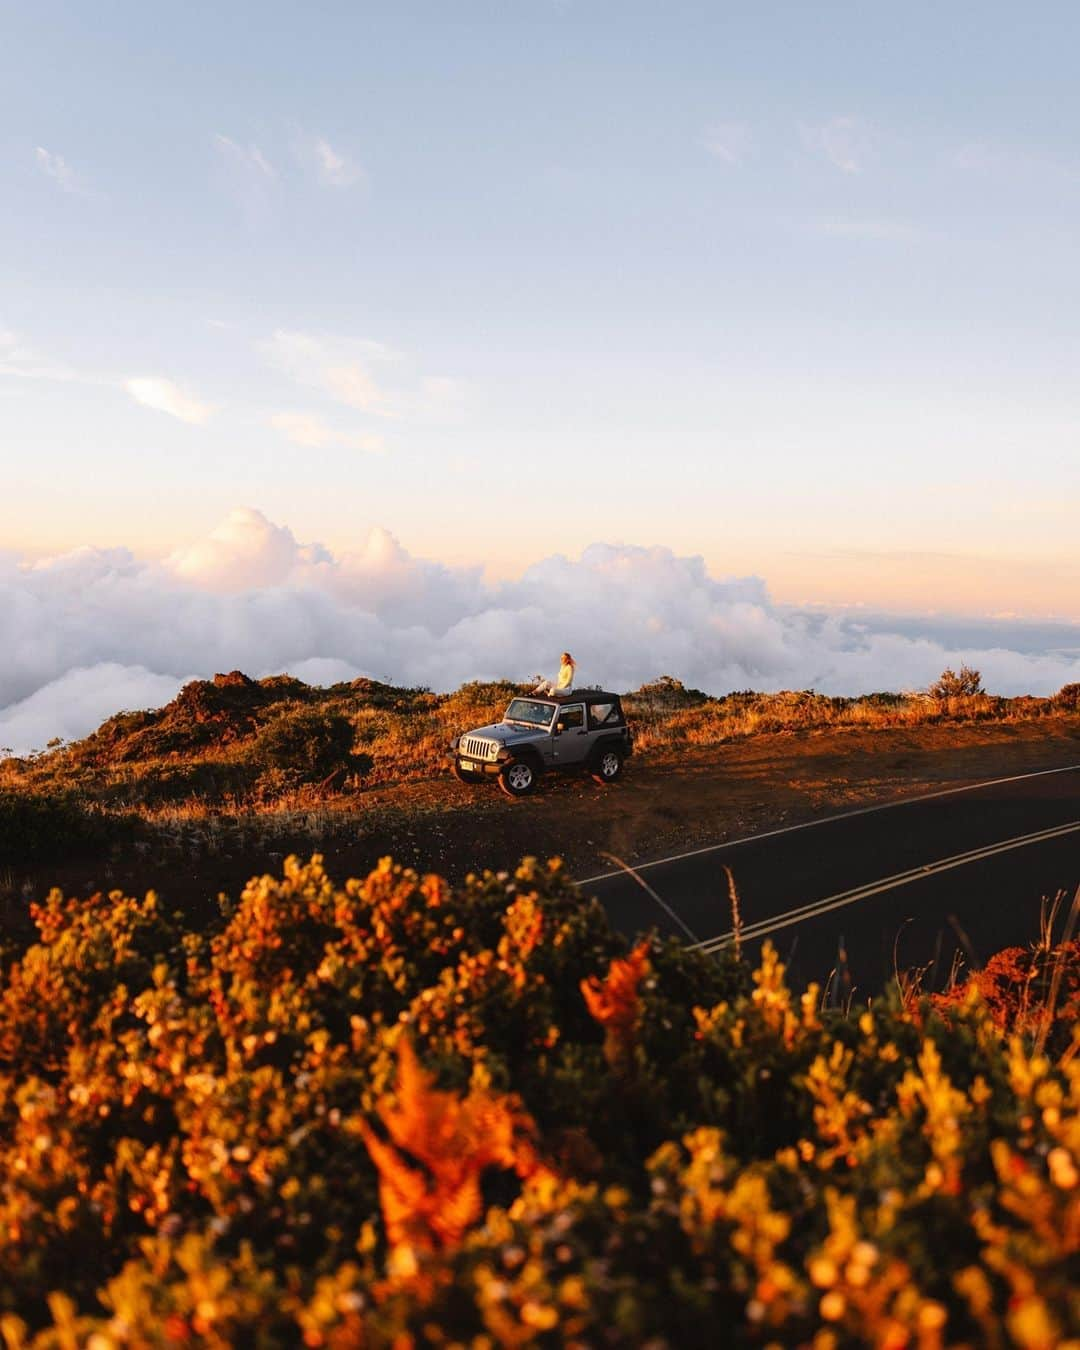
{"x": 560, "y": 727}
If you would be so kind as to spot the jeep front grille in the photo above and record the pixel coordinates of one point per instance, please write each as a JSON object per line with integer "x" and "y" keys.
{"x": 479, "y": 747}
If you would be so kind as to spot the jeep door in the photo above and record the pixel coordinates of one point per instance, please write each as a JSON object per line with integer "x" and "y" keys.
{"x": 604, "y": 722}
{"x": 570, "y": 739}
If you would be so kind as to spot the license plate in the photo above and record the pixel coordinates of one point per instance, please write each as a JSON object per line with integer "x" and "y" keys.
{"x": 470, "y": 767}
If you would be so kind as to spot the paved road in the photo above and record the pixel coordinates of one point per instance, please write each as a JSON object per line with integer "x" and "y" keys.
{"x": 960, "y": 870}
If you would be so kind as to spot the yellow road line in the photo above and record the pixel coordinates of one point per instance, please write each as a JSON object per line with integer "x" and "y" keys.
{"x": 818, "y": 907}
{"x": 828, "y": 820}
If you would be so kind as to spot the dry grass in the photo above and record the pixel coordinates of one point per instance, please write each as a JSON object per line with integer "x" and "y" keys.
{"x": 200, "y": 764}
{"x": 1026, "y": 991}
{"x": 673, "y": 716}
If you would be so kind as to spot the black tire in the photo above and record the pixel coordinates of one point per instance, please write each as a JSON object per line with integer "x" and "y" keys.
{"x": 608, "y": 764}
{"x": 518, "y": 778}
{"x": 464, "y": 775}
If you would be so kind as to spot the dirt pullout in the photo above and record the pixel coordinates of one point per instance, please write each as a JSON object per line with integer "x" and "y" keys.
{"x": 704, "y": 796}
{"x": 665, "y": 802}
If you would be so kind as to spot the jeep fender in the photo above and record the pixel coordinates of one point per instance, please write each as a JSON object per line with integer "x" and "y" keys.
{"x": 606, "y": 743}
{"x": 524, "y": 752}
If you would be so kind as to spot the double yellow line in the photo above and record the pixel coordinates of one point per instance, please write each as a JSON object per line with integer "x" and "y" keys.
{"x": 817, "y": 907}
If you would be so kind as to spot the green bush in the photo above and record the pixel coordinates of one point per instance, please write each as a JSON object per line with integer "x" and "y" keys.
{"x": 1067, "y": 698}
{"x": 310, "y": 743}
{"x": 962, "y": 683}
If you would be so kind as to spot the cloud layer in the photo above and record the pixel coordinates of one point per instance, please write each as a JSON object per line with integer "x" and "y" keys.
{"x": 97, "y": 630}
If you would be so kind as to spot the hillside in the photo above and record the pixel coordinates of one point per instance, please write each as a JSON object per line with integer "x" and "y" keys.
{"x": 194, "y": 797}
{"x": 243, "y": 744}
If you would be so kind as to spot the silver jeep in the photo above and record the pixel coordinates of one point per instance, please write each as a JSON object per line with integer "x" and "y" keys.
{"x": 580, "y": 731}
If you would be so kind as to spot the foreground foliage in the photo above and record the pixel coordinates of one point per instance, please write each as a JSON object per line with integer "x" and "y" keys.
{"x": 389, "y": 1114}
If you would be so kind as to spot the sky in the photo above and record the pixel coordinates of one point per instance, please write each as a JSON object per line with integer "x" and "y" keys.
{"x": 788, "y": 289}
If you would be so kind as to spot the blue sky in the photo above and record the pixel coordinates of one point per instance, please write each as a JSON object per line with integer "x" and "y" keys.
{"x": 793, "y": 287}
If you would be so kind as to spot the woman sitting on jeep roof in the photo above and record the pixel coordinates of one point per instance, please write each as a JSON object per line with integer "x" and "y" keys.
{"x": 564, "y": 682}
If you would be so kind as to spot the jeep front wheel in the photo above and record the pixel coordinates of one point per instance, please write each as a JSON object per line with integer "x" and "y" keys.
{"x": 518, "y": 778}
{"x": 608, "y": 766}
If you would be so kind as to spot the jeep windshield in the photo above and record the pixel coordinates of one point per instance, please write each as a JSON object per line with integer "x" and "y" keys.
{"x": 529, "y": 711}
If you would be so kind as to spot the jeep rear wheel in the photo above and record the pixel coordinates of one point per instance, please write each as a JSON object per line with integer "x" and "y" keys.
{"x": 518, "y": 778}
{"x": 607, "y": 766}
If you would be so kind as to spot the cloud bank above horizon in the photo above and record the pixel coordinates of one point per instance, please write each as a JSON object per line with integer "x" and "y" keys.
{"x": 94, "y": 631}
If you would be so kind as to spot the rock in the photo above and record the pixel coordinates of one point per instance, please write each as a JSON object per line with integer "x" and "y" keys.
{"x": 236, "y": 679}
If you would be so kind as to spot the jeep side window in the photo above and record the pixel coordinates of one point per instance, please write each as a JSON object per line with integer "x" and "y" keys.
{"x": 572, "y": 718}
{"x": 599, "y": 713}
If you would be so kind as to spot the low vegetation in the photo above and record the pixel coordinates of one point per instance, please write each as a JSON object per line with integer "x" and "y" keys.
{"x": 389, "y": 1113}
{"x": 36, "y": 825}
{"x": 239, "y": 746}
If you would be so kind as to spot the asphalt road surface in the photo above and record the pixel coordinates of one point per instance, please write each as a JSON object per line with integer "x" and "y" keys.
{"x": 910, "y": 884}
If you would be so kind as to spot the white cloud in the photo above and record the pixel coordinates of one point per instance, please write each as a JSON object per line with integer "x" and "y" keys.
{"x": 335, "y": 169}
{"x": 248, "y": 177}
{"x": 354, "y": 385}
{"x": 302, "y": 429}
{"x": 96, "y": 630}
{"x": 309, "y": 430}
{"x": 58, "y": 169}
{"x": 362, "y": 374}
{"x": 331, "y": 166}
{"x": 443, "y": 390}
{"x": 79, "y": 700}
{"x": 248, "y": 159}
{"x": 252, "y": 174}
{"x": 371, "y": 443}
{"x": 164, "y": 396}
{"x": 325, "y": 670}
{"x": 22, "y": 361}
{"x": 246, "y": 551}
{"x": 730, "y": 141}
{"x": 845, "y": 142}
{"x": 339, "y": 367}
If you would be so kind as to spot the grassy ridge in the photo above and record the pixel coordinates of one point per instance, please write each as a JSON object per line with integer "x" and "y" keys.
{"x": 241, "y": 745}
{"x": 390, "y": 1113}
